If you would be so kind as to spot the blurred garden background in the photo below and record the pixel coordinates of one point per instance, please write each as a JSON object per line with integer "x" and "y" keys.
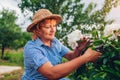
{"x": 98, "y": 18}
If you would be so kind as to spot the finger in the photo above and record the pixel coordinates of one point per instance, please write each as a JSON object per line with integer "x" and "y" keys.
{"x": 84, "y": 37}
{"x": 95, "y": 60}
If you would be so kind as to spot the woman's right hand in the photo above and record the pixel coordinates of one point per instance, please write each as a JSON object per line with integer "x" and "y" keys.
{"x": 91, "y": 55}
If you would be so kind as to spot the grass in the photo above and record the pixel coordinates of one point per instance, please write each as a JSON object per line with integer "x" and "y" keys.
{"x": 8, "y": 63}
{"x": 12, "y": 58}
{"x": 15, "y": 75}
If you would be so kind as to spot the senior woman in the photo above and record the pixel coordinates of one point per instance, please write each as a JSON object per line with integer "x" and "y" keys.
{"x": 43, "y": 54}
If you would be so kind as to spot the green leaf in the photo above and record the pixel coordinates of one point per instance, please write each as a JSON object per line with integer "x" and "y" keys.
{"x": 117, "y": 62}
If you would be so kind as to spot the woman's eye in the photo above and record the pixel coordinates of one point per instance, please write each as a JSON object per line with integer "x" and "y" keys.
{"x": 50, "y": 26}
{"x": 47, "y": 27}
{"x": 55, "y": 25}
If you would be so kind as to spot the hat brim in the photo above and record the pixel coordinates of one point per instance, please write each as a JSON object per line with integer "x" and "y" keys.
{"x": 53, "y": 16}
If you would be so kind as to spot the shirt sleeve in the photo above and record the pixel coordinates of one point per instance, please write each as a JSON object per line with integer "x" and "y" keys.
{"x": 39, "y": 59}
{"x": 36, "y": 57}
{"x": 64, "y": 50}
{"x": 61, "y": 48}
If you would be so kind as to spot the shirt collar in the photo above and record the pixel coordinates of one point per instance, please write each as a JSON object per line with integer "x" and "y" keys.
{"x": 40, "y": 43}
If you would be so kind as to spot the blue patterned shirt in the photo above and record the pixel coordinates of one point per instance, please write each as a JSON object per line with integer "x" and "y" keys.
{"x": 36, "y": 54}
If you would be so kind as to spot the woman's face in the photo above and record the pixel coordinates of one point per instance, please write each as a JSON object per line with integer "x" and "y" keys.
{"x": 47, "y": 29}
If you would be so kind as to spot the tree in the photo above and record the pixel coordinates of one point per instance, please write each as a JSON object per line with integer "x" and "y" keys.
{"x": 70, "y": 10}
{"x": 10, "y": 32}
{"x": 73, "y": 15}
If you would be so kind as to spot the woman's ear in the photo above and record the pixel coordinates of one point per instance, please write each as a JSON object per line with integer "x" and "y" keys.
{"x": 37, "y": 32}
{"x": 34, "y": 35}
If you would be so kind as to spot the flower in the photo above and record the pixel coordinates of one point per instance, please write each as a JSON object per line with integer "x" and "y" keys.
{"x": 113, "y": 29}
{"x": 73, "y": 37}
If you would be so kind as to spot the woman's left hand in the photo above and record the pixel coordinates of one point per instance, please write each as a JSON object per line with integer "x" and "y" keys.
{"x": 83, "y": 43}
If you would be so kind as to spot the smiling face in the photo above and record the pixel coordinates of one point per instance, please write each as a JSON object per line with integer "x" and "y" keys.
{"x": 46, "y": 29}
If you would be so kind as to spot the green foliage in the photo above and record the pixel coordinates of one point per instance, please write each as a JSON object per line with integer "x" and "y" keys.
{"x": 34, "y": 5}
{"x": 9, "y": 31}
{"x": 13, "y": 59}
{"x": 11, "y": 35}
{"x": 25, "y": 36}
{"x": 107, "y": 67}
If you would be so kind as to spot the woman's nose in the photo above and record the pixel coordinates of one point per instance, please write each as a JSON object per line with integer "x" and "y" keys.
{"x": 53, "y": 27}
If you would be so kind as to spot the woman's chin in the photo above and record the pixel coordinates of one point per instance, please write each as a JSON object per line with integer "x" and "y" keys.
{"x": 51, "y": 38}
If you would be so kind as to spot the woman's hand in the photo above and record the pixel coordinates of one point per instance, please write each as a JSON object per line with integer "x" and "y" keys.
{"x": 91, "y": 55}
{"x": 82, "y": 44}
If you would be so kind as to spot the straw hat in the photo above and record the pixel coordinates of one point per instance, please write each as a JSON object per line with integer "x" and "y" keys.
{"x": 41, "y": 15}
